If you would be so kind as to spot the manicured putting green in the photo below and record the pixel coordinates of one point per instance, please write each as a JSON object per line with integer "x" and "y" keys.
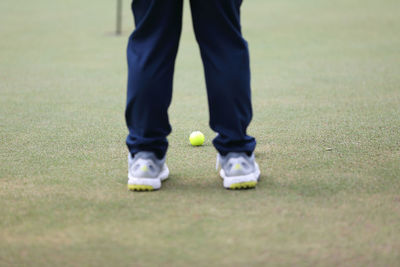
{"x": 325, "y": 79}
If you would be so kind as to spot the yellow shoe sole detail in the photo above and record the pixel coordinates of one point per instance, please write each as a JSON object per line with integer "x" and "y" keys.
{"x": 140, "y": 187}
{"x": 243, "y": 185}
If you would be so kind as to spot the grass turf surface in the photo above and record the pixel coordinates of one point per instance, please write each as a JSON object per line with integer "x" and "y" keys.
{"x": 325, "y": 78}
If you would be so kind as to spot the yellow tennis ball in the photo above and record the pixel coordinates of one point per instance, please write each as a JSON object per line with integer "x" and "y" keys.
{"x": 196, "y": 138}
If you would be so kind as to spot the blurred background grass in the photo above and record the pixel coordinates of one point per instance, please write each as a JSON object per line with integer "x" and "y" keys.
{"x": 325, "y": 78}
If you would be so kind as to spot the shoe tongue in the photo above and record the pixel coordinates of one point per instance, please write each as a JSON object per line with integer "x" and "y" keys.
{"x": 235, "y": 155}
{"x": 145, "y": 155}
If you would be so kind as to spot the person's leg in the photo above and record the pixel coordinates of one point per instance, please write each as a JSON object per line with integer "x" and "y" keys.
{"x": 226, "y": 63}
{"x": 151, "y": 57}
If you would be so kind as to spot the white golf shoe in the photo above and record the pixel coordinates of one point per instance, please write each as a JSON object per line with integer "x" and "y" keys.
{"x": 146, "y": 172}
{"x": 238, "y": 170}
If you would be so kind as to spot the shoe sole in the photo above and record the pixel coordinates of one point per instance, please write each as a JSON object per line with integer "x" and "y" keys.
{"x": 248, "y": 181}
{"x": 139, "y": 187}
{"x": 244, "y": 185}
{"x": 148, "y": 184}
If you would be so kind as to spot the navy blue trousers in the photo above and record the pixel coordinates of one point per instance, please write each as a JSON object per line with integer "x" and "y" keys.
{"x": 151, "y": 54}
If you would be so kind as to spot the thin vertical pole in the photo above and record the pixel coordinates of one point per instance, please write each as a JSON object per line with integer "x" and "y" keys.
{"x": 119, "y": 17}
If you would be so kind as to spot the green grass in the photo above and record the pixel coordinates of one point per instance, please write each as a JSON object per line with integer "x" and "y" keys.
{"x": 325, "y": 78}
